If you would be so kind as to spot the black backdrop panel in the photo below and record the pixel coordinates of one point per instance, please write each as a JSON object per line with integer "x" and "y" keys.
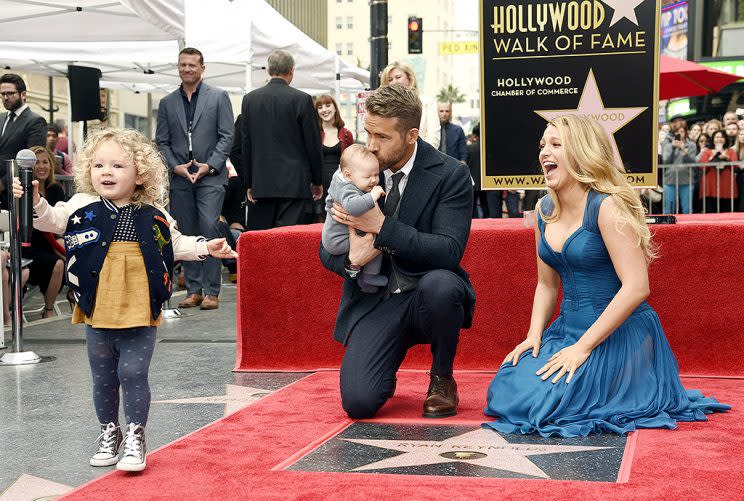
{"x": 85, "y": 98}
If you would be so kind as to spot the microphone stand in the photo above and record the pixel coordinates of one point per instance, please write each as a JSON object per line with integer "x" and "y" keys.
{"x": 17, "y": 356}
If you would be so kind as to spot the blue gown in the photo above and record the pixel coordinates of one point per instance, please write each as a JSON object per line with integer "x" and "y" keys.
{"x": 630, "y": 381}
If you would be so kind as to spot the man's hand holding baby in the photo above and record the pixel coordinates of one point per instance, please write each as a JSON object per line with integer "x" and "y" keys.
{"x": 369, "y": 222}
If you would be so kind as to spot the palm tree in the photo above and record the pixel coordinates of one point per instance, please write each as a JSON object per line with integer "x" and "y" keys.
{"x": 450, "y": 94}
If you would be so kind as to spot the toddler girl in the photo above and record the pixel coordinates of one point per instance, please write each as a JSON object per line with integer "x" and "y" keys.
{"x": 120, "y": 245}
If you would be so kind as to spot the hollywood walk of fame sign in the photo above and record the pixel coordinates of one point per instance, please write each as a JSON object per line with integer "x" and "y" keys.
{"x": 407, "y": 449}
{"x": 542, "y": 59}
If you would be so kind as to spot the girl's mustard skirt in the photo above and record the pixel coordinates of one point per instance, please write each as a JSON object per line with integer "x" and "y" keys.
{"x": 123, "y": 294}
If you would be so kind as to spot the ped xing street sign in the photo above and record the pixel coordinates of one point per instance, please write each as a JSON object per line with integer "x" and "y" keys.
{"x": 457, "y": 48}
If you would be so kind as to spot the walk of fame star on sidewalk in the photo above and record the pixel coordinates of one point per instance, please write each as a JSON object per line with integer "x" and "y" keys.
{"x": 481, "y": 447}
{"x": 31, "y": 488}
{"x": 591, "y": 105}
{"x": 235, "y": 397}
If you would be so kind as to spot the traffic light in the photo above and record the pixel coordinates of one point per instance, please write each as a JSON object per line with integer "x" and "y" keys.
{"x": 415, "y": 36}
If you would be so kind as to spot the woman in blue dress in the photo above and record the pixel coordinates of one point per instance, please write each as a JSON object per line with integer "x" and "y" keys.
{"x": 604, "y": 365}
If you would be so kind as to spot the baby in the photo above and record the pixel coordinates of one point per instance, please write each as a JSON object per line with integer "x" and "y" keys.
{"x": 354, "y": 186}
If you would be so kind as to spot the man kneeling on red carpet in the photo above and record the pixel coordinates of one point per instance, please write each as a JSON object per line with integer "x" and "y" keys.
{"x": 421, "y": 230}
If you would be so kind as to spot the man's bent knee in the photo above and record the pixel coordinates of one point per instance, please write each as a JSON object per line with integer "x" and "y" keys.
{"x": 441, "y": 288}
{"x": 362, "y": 404}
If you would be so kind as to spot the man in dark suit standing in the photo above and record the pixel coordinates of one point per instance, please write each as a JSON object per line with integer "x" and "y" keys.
{"x": 194, "y": 133}
{"x": 281, "y": 149}
{"x": 20, "y": 128}
{"x": 474, "y": 165}
{"x": 452, "y": 137}
{"x": 421, "y": 231}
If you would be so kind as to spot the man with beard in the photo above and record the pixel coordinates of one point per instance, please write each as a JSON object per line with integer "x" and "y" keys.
{"x": 20, "y": 127}
{"x": 421, "y": 230}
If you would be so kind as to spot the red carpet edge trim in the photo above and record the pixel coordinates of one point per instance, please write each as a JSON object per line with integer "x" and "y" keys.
{"x": 312, "y": 446}
{"x": 457, "y": 371}
{"x": 623, "y": 474}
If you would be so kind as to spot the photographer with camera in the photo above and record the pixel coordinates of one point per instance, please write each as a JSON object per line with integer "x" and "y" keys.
{"x": 678, "y": 180}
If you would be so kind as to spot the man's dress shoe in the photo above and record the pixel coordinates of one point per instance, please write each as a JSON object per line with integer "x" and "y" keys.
{"x": 441, "y": 399}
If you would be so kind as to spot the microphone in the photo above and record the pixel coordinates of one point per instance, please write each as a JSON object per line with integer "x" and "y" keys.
{"x": 26, "y": 159}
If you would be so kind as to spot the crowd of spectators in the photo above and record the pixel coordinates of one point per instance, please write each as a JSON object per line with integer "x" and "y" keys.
{"x": 689, "y": 188}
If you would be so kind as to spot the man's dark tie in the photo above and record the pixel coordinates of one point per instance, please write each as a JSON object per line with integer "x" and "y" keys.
{"x": 392, "y": 199}
{"x": 443, "y": 139}
{"x": 8, "y": 122}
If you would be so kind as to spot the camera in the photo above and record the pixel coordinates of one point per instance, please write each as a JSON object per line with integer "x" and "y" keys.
{"x": 677, "y": 136}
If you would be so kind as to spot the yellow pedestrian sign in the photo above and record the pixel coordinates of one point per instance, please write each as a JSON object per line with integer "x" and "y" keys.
{"x": 457, "y": 48}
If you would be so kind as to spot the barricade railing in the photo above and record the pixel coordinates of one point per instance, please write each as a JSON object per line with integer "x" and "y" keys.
{"x": 67, "y": 182}
{"x": 728, "y": 180}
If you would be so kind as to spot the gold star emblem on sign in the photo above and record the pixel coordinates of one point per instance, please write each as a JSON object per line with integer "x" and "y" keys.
{"x": 591, "y": 105}
{"x": 624, "y": 9}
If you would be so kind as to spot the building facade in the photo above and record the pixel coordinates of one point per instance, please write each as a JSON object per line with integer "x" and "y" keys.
{"x": 710, "y": 32}
{"x": 349, "y": 33}
{"x": 310, "y": 16}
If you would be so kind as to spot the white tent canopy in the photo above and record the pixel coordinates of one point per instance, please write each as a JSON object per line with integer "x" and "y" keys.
{"x": 85, "y": 20}
{"x": 135, "y": 42}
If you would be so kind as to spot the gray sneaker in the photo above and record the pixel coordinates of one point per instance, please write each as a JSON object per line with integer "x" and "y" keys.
{"x": 133, "y": 449}
{"x": 108, "y": 446}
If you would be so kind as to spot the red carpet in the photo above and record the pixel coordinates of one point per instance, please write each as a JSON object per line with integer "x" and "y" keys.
{"x": 233, "y": 458}
{"x": 288, "y": 301}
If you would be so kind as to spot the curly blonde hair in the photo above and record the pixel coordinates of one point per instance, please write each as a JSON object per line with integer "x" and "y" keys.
{"x": 591, "y": 161}
{"x": 141, "y": 152}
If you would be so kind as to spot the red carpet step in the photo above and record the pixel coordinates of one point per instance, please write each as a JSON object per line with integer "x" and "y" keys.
{"x": 287, "y": 301}
{"x": 243, "y": 456}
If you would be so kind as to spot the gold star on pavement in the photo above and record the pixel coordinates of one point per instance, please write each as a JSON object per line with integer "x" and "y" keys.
{"x": 591, "y": 105}
{"x": 235, "y": 397}
{"x": 624, "y": 9}
{"x": 481, "y": 447}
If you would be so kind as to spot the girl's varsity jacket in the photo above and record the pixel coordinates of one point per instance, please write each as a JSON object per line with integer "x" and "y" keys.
{"x": 88, "y": 224}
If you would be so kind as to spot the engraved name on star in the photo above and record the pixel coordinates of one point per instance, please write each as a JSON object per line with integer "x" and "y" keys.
{"x": 481, "y": 447}
{"x": 591, "y": 105}
{"x": 624, "y": 9}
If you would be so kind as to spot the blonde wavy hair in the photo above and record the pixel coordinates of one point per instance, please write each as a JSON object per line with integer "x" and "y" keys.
{"x": 52, "y": 163}
{"x": 590, "y": 160}
{"x": 397, "y": 65}
{"x": 141, "y": 152}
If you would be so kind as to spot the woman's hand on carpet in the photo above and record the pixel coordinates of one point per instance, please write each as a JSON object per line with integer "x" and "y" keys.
{"x": 566, "y": 361}
{"x": 531, "y": 343}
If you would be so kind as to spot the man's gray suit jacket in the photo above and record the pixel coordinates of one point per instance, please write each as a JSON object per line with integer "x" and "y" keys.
{"x": 212, "y": 133}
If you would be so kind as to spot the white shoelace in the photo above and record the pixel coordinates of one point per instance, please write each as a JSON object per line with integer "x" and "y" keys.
{"x": 107, "y": 439}
{"x": 132, "y": 442}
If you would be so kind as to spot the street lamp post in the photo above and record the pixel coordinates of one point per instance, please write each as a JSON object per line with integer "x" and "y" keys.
{"x": 378, "y": 40}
